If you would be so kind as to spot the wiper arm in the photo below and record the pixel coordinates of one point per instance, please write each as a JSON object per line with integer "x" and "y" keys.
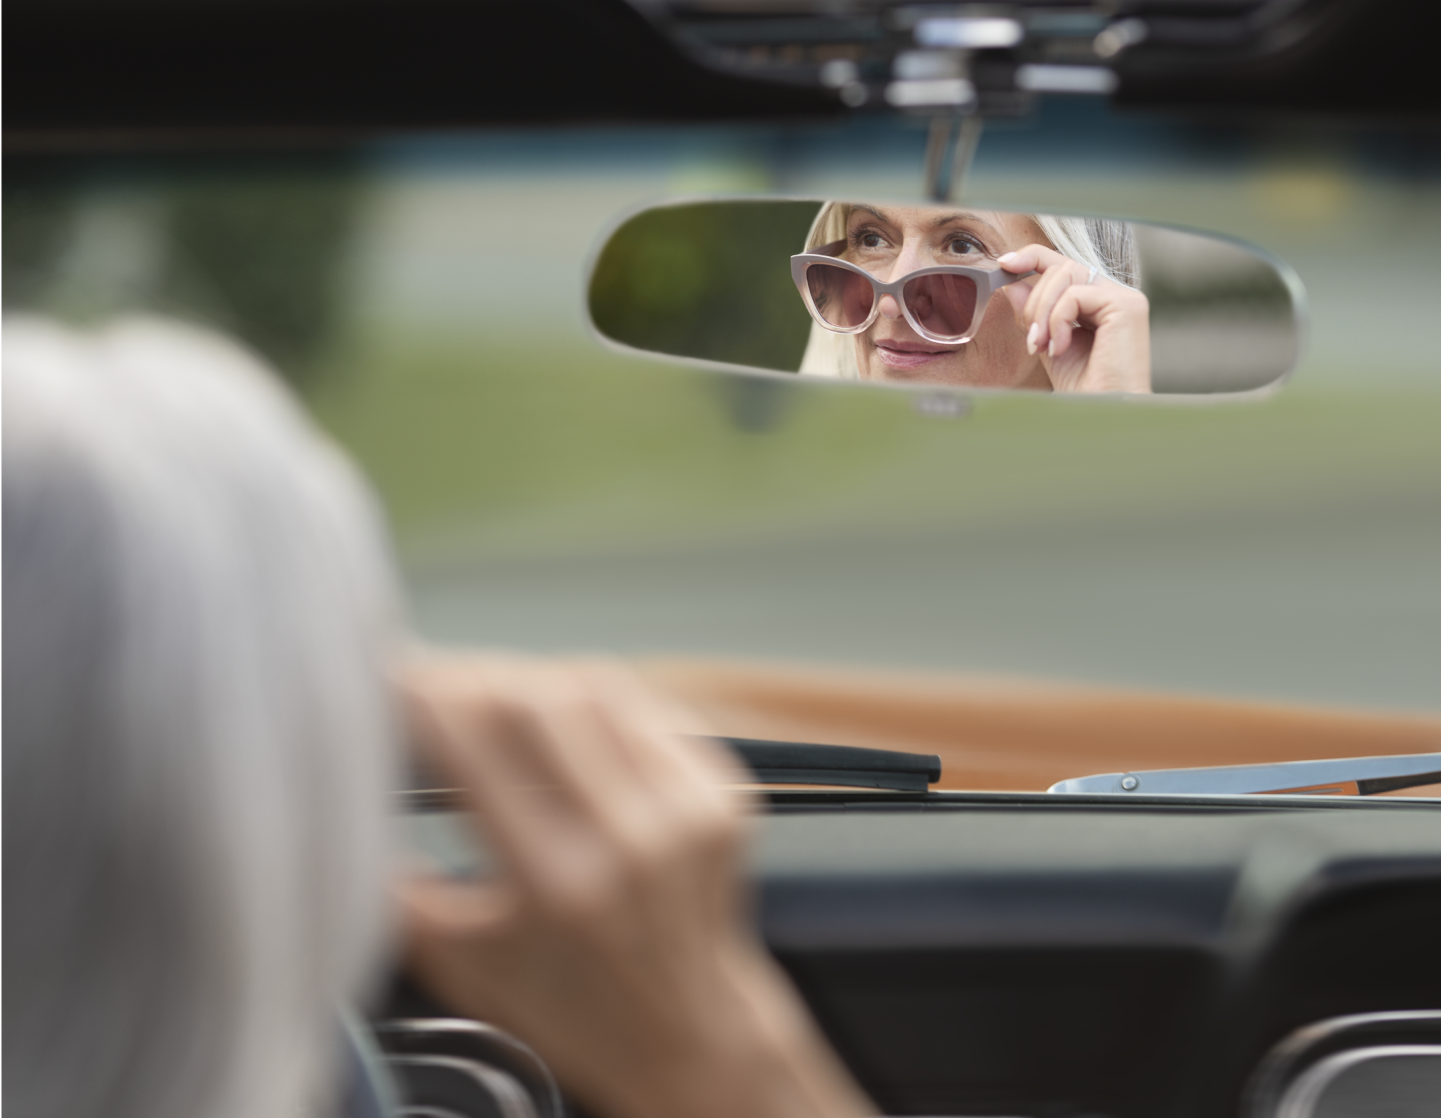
{"x": 1348, "y": 776}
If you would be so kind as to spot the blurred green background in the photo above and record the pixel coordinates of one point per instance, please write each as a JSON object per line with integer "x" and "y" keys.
{"x": 707, "y": 280}
{"x": 427, "y": 298}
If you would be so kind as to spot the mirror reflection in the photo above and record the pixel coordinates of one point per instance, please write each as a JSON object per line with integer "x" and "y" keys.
{"x": 946, "y": 295}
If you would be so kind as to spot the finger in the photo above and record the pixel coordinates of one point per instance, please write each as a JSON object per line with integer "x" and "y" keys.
{"x": 535, "y": 719}
{"x": 683, "y": 781}
{"x": 1042, "y": 301}
{"x": 695, "y": 814}
{"x": 1031, "y": 258}
{"x": 480, "y": 724}
{"x": 600, "y": 740}
{"x": 585, "y": 736}
{"x": 1059, "y": 324}
{"x": 663, "y": 756}
{"x": 1075, "y": 304}
{"x": 1056, "y": 272}
{"x": 573, "y": 778}
{"x": 1059, "y": 328}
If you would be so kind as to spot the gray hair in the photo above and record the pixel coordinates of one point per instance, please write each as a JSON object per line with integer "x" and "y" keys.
{"x": 1102, "y": 243}
{"x": 199, "y": 739}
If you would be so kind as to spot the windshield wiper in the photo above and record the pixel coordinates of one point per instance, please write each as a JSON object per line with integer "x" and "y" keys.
{"x": 1348, "y": 776}
{"x": 794, "y": 762}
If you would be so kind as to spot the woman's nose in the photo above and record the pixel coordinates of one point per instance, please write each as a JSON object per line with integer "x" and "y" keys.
{"x": 889, "y": 307}
{"x": 908, "y": 260}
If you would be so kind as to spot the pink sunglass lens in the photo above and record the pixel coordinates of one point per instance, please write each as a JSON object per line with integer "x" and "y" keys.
{"x": 944, "y": 305}
{"x": 841, "y": 297}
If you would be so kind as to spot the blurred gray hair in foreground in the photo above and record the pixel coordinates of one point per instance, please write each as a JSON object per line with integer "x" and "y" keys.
{"x": 198, "y": 735}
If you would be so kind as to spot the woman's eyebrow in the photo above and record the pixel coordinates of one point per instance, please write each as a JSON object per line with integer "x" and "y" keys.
{"x": 946, "y": 219}
{"x": 875, "y": 213}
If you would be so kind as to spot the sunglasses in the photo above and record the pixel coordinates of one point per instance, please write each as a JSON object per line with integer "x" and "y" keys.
{"x": 943, "y": 304}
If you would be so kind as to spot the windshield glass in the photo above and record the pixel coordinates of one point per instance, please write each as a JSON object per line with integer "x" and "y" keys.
{"x": 1036, "y": 591}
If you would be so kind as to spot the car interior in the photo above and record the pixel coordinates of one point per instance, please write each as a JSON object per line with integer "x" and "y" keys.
{"x": 1094, "y": 732}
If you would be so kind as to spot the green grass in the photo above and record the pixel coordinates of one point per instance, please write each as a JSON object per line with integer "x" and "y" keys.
{"x": 565, "y": 448}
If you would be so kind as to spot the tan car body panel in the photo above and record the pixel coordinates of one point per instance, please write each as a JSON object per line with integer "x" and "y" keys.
{"x": 1020, "y": 735}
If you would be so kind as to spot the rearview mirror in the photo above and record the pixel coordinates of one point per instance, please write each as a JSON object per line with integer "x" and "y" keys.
{"x": 927, "y": 296}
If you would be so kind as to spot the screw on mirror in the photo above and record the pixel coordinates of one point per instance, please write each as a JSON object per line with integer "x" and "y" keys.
{"x": 950, "y": 148}
{"x": 943, "y": 405}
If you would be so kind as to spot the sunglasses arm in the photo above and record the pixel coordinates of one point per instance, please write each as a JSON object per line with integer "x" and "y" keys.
{"x": 1012, "y": 278}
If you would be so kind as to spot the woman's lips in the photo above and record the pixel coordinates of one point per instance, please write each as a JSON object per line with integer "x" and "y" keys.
{"x": 908, "y": 355}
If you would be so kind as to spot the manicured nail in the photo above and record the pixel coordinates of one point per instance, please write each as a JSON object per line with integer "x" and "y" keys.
{"x": 1003, "y": 259}
{"x": 1051, "y": 349}
{"x": 1031, "y": 337}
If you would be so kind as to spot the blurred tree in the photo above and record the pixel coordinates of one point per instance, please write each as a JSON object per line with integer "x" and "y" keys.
{"x": 254, "y": 248}
{"x": 709, "y": 280}
{"x": 263, "y": 254}
{"x": 37, "y": 216}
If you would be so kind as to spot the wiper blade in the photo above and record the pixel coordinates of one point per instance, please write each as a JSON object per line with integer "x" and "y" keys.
{"x": 1347, "y": 776}
{"x": 793, "y": 762}
{"x": 769, "y": 762}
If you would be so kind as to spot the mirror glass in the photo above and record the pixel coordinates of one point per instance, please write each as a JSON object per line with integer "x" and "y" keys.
{"x": 955, "y": 295}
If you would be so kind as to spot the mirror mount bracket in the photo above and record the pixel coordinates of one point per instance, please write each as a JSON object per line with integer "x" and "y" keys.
{"x": 950, "y": 148}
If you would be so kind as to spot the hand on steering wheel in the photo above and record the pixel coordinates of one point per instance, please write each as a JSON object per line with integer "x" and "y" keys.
{"x": 1092, "y": 333}
{"x": 615, "y": 938}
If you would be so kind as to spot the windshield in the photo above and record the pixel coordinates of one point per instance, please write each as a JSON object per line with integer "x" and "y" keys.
{"x": 1036, "y": 591}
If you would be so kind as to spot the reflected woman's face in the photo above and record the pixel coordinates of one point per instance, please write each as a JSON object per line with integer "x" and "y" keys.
{"x": 889, "y": 242}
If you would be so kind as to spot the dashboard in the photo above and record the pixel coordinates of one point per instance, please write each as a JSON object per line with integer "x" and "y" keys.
{"x": 1009, "y": 954}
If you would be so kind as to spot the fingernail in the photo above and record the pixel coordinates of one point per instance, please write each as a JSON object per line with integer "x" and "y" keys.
{"x": 1051, "y": 349}
{"x": 1003, "y": 259}
{"x": 1035, "y": 332}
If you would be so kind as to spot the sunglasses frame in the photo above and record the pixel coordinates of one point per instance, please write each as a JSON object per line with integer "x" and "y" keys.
{"x": 987, "y": 281}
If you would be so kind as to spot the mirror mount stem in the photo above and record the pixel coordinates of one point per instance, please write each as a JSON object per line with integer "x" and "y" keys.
{"x": 950, "y": 148}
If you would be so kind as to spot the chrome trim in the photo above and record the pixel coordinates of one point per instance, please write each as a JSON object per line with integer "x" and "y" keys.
{"x": 1294, "y": 1055}
{"x": 1308, "y": 1089}
{"x": 490, "y": 1045}
{"x": 1339, "y": 776}
{"x": 510, "y": 1095}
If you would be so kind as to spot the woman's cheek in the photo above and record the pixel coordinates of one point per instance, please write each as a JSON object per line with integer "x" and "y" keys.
{"x": 1003, "y": 342}
{"x": 1015, "y": 296}
{"x": 864, "y": 354}
{"x": 1001, "y": 327}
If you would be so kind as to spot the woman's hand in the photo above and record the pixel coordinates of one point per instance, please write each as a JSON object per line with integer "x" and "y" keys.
{"x": 616, "y": 938}
{"x": 1093, "y": 334}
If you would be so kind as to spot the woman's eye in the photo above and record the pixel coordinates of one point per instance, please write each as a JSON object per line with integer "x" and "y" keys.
{"x": 869, "y": 240}
{"x": 961, "y": 246}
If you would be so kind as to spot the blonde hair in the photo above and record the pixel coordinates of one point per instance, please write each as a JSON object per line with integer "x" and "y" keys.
{"x": 199, "y": 745}
{"x": 1097, "y": 242}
